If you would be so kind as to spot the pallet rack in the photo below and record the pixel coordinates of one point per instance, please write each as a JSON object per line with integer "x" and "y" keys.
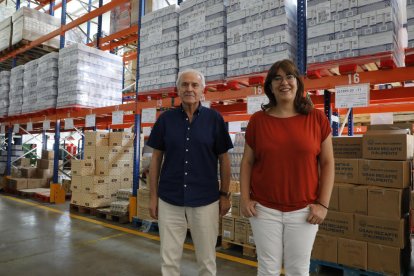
{"x": 232, "y": 92}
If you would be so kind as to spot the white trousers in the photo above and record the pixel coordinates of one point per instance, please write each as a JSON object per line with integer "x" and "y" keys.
{"x": 283, "y": 239}
{"x": 203, "y": 224}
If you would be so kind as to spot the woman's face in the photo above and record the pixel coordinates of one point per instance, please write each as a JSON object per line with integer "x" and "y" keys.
{"x": 284, "y": 87}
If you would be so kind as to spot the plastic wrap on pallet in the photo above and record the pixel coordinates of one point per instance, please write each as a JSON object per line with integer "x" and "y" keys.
{"x": 410, "y": 23}
{"x": 47, "y": 82}
{"x": 119, "y": 207}
{"x": 88, "y": 77}
{"x": 5, "y": 33}
{"x": 4, "y": 92}
{"x": 159, "y": 49}
{"x": 6, "y": 11}
{"x": 339, "y": 30}
{"x": 30, "y": 24}
{"x": 123, "y": 194}
{"x": 202, "y": 33}
{"x": 29, "y": 86}
{"x": 16, "y": 90}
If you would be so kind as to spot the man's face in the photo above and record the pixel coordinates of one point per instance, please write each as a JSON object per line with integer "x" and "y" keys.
{"x": 190, "y": 88}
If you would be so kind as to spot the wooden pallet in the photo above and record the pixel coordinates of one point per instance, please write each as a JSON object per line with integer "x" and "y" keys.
{"x": 247, "y": 249}
{"x": 83, "y": 210}
{"x": 106, "y": 213}
{"x": 316, "y": 266}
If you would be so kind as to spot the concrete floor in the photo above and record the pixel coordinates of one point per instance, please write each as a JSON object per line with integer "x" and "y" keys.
{"x": 44, "y": 239}
{"x": 36, "y": 240}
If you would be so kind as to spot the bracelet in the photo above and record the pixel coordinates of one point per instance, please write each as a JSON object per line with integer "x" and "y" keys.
{"x": 317, "y": 202}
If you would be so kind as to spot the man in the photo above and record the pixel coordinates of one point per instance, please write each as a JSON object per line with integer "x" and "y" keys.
{"x": 188, "y": 141}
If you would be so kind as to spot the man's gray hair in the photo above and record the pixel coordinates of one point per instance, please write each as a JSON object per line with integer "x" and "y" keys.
{"x": 203, "y": 80}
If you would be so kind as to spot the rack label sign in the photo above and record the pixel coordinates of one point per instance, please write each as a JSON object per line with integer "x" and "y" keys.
{"x": 69, "y": 123}
{"x": 29, "y": 126}
{"x": 149, "y": 115}
{"x": 254, "y": 103}
{"x": 349, "y": 96}
{"x": 90, "y": 120}
{"x": 46, "y": 125}
{"x": 3, "y": 129}
{"x": 117, "y": 117}
{"x": 16, "y": 128}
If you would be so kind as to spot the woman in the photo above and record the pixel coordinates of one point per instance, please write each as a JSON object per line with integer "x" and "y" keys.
{"x": 286, "y": 174}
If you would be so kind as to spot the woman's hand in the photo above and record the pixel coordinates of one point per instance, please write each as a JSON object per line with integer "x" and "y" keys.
{"x": 248, "y": 207}
{"x": 317, "y": 214}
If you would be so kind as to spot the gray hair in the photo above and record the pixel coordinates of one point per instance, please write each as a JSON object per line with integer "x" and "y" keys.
{"x": 203, "y": 80}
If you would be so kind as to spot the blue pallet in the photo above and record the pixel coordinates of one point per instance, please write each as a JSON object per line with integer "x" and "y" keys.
{"x": 146, "y": 226}
{"x": 316, "y": 265}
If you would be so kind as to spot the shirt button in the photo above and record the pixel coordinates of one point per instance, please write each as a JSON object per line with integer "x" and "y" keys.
{"x": 186, "y": 162}
{"x": 185, "y": 173}
{"x": 188, "y": 128}
{"x": 186, "y": 149}
{"x": 188, "y": 139}
{"x": 186, "y": 119}
{"x": 185, "y": 186}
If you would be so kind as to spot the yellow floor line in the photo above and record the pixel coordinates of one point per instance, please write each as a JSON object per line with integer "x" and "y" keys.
{"x": 125, "y": 230}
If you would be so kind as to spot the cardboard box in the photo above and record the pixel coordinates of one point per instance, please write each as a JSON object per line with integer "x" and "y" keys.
{"x": 17, "y": 183}
{"x": 347, "y": 147}
{"x": 240, "y": 230}
{"x": 95, "y": 184}
{"x": 334, "y": 202}
{"x": 391, "y": 174}
{"x": 76, "y": 184}
{"x": 25, "y": 162}
{"x": 48, "y": 154}
{"x": 249, "y": 234}
{"x": 89, "y": 153}
{"x": 83, "y": 167}
{"x": 228, "y": 228}
{"x": 144, "y": 213}
{"x": 388, "y": 203}
{"x": 28, "y": 172}
{"x": 353, "y": 253}
{"x": 353, "y": 199}
{"x": 346, "y": 170}
{"x": 338, "y": 224}
{"x": 384, "y": 259}
{"x": 77, "y": 198}
{"x": 33, "y": 183}
{"x": 125, "y": 139}
{"x": 325, "y": 248}
{"x": 102, "y": 167}
{"x": 96, "y": 138}
{"x": 235, "y": 204}
{"x": 380, "y": 230}
{"x": 102, "y": 153}
{"x": 46, "y": 164}
{"x": 96, "y": 200}
{"x": 41, "y": 173}
{"x": 143, "y": 197}
{"x": 387, "y": 146}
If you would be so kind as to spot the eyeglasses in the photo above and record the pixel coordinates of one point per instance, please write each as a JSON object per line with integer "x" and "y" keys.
{"x": 288, "y": 78}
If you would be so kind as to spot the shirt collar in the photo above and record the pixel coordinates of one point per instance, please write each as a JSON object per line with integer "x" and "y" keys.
{"x": 197, "y": 111}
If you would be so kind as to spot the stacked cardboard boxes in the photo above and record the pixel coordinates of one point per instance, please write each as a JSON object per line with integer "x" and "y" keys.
{"x": 16, "y": 90}
{"x": 369, "y": 206}
{"x": 107, "y": 167}
{"x": 29, "y": 86}
{"x": 4, "y": 92}
{"x": 343, "y": 29}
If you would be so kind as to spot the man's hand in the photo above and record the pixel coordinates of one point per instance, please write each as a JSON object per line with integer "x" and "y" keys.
{"x": 154, "y": 207}
{"x": 224, "y": 204}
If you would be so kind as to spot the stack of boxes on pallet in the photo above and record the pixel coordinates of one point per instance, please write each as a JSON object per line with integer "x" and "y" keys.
{"x": 369, "y": 205}
{"x": 143, "y": 204}
{"x": 158, "y": 64}
{"x": 121, "y": 205}
{"x": 107, "y": 167}
{"x": 88, "y": 77}
{"x": 258, "y": 34}
{"x": 47, "y": 82}
{"x": 410, "y": 23}
{"x": 16, "y": 152}
{"x": 29, "y": 86}
{"x": 342, "y": 29}
{"x": 6, "y": 13}
{"x": 16, "y": 90}
{"x": 28, "y": 177}
{"x": 202, "y": 34}
{"x": 4, "y": 92}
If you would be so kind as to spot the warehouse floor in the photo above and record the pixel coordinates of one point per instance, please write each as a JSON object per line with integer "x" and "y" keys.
{"x": 44, "y": 239}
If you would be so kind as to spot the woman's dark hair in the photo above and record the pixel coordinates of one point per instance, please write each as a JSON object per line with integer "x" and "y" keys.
{"x": 302, "y": 104}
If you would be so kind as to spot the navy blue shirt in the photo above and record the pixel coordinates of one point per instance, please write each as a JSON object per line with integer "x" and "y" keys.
{"x": 189, "y": 172}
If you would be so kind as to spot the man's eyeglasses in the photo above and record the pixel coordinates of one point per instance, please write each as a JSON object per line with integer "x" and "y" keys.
{"x": 288, "y": 78}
